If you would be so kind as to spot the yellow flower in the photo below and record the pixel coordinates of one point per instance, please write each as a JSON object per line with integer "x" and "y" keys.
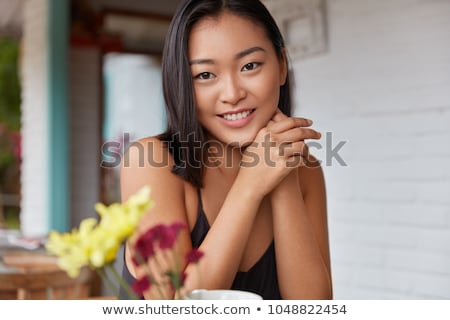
{"x": 104, "y": 247}
{"x": 73, "y": 262}
{"x": 141, "y": 199}
{"x": 95, "y": 244}
{"x": 122, "y": 219}
{"x": 68, "y": 247}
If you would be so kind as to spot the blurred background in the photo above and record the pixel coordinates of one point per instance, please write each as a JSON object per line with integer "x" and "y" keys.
{"x": 374, "y": 75}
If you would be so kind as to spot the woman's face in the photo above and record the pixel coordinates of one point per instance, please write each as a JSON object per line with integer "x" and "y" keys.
{"x": 237, "y": 77}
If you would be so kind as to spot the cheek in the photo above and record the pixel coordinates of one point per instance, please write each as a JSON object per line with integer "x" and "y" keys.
{"x": 203, "y": 100}
{"x": 268, "y": 90}
{"x": 200, "y": 104}
{"x": 268, "y": 84}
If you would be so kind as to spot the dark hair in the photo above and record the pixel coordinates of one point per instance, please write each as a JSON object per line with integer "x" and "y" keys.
{"x": 184, "y": 135}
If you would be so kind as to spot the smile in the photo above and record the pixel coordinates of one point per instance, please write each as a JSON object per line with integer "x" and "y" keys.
{"x": 237, "y": 116}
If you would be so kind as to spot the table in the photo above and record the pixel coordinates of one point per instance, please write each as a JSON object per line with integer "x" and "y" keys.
{"x": 36, "y": 275}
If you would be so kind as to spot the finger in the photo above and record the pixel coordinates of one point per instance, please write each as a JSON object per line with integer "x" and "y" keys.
{"x": 296, "y": 134}
{"x": 290, "y": 123}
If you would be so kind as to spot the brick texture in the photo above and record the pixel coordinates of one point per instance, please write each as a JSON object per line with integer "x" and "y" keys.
{"x": 34, "y": 171}
{"x": 384, "y": 87}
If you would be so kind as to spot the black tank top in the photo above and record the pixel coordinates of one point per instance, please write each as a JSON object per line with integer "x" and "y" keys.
{"x": 261, "y": 278}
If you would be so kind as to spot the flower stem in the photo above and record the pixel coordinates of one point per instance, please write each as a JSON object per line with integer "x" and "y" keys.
{"x": 108, "y": 282}
{"x": 122, "y": 283}
{"x": 179, "y": 281}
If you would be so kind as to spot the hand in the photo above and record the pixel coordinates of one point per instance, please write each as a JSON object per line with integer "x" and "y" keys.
{"x": 296, "y": 149}
{"x": 277, "y": 149}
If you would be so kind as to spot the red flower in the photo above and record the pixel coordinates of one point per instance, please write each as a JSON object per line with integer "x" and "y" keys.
{"x": 165, "y": 237}
{"x": 194, "y": 255}
{"x": 141, "y": 285}
{"x": 168, "y": 234}
{"x": 144, "y": 245}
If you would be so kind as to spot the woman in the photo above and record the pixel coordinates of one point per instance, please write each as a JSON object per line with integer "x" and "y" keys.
{"x": 237, "y": 171}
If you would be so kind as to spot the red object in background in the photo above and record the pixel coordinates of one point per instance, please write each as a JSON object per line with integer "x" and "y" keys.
{"x": 105, "y": 43}
{"x": 15, "y": 139}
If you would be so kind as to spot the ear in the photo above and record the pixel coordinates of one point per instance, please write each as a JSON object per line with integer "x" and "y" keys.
{"x": 283, "y": 68}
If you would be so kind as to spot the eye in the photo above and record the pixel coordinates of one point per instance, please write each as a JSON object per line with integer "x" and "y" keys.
{"x": 204, "y": 76}
{"x": 251, "y": 66}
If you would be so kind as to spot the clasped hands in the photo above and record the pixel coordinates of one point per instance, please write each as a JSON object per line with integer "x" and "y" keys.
{"x": 277, "y": 149}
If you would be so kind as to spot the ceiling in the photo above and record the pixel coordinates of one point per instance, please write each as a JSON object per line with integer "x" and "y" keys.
{"x": 11, "y": 10}
{"x": 165, "y": 7}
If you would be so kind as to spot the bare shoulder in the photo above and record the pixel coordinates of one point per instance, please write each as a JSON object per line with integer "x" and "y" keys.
{"x": 149, "y": 162}
{"x": 147, "y": 159}
{"x": 146, "y": 152}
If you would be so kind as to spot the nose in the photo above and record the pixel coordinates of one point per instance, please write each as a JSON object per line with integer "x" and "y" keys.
{"x": 232, "y": 91}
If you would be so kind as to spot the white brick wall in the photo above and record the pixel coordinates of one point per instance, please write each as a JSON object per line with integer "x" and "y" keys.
{"x": 34, "y": 175}
{"x": 384, "y": 86}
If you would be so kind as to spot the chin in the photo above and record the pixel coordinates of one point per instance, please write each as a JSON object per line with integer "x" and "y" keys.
{"x": 240, "y": 141}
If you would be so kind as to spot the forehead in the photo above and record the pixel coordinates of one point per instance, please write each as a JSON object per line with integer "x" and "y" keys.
{"x": 226, "y": 33}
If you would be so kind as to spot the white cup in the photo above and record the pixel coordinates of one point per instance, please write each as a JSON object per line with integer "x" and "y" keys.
{"x": 203, "y": 294}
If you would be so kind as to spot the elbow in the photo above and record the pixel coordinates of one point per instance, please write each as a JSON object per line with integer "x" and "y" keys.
{"x": 323, "y": 290}
{"x": 318, "y": 289}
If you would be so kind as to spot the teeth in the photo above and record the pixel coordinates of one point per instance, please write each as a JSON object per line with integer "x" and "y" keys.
{"x": 236, "y": 116}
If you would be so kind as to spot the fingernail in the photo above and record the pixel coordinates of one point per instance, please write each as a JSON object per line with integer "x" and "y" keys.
{"x": 310, "y": 121}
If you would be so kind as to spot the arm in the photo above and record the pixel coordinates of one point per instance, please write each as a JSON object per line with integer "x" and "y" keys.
{"x": 301, "y": 235}
{"x": 300, "y": 219}
{"x": 138, "y": 169}
{"x": 224, "y": 245}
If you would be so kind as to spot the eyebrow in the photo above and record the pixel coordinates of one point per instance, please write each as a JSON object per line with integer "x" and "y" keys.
{"x": 237, "y": 56}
